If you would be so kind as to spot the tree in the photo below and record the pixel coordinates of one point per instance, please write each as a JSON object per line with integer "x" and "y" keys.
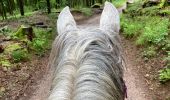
{"x": 3, "y": 10}
{"x": 21, "y": 6}
{"x": 48, "y": 6}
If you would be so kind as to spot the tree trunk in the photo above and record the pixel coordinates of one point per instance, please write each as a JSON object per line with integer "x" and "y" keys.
{"x": 2, "y": 8}
{"x": 21, "y": 6}
{"x": 48, "y": 6}
{"x": 93, "y": 2}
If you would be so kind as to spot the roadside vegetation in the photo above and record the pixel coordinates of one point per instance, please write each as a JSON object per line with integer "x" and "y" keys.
{"x": 147, "y": 24}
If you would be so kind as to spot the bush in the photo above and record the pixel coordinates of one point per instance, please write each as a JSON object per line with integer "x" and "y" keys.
{"x": 131, "y": 27}
{"x": 155, "y": 31}
{"x": 42, "y": 41}
{"x": 164, "y": 75}
{"x": 20, "y": 55}
{"x": 149, "y": 52}
{"x": 167, "y": 59}
{"x": 39, "y": 45}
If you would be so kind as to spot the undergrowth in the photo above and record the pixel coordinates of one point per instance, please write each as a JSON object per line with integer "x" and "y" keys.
{"x": 18, "y": 50}
{"x": 149, "y": 28}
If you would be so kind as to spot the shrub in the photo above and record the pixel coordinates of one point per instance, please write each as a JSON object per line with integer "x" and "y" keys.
{"x": 131, "y": 27}
{"x": 20, "y": 55}
{"x": 149, "y": 52}
{"x": 167, "y": 59}
{"x": 39, "y": 45}
{"x": 155, "y": 31}
{"x": 164, "y": 75}
{"x": 41, "y": 42}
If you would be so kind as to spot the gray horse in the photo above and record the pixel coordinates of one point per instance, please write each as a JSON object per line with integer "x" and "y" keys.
{"x": 88, "y": 64}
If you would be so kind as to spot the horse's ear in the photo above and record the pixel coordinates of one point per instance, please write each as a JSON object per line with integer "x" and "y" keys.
{"x": 110, "y": 20}
{"x": 65, "y": 21}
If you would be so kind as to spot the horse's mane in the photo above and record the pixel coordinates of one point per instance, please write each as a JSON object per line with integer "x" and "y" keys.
{"x": 88, "y": 64}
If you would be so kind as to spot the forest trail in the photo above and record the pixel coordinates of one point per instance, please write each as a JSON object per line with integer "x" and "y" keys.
{"x": 135, "y": 82}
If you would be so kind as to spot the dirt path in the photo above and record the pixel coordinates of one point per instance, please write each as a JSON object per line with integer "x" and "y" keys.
{"x": 137, "y": 88}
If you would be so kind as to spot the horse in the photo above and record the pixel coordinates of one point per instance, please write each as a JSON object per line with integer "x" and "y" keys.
{"x": 88, "y": 64}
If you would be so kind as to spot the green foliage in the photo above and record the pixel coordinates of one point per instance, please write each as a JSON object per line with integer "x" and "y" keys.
{"x": 12, "y": 47}
{"x": 164, "y": 75}
{"x": 39, "y": 45}
{"x": 154, "y": 32}
{"x": 153, "y": 10}
{"x": 149, "y": 27}
{"x": 131, "y": 27}
{"x": 167, "y": 59}
{"x": 20, "y": 55}
{"x": 5, "y": 63}
{"x": 134, "y": 9}
{"x": 165, "y": 11}
{"x": 119, "y": 3}
{"x": 19, "y": 34}
{"x": 149, "y": 52}
{"x": 42, "y": 42}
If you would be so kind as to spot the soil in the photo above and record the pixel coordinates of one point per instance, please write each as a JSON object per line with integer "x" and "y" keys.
{"x": 32, "y": 79}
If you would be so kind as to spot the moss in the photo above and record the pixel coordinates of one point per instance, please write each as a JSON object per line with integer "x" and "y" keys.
{"x": 5, "y": 63}
{"x": 19, "y": 34}
{"x": 11, "y": 47}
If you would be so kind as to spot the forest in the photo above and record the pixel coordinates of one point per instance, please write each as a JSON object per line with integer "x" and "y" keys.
{"x": 28, "y": 29}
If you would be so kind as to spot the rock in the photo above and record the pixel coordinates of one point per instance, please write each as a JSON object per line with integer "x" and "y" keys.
{"x": 147, "y": 75}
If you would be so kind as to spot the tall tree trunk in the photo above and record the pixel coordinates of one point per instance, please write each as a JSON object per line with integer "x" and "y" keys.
{"x": 101, "y": 1}
{"x": 11, "y": 6}
{"x": 48, "y": 6}
{"x": 2, "y": 8}
{"x": 93, "y": 2}
{"x": 21, "y": 6}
